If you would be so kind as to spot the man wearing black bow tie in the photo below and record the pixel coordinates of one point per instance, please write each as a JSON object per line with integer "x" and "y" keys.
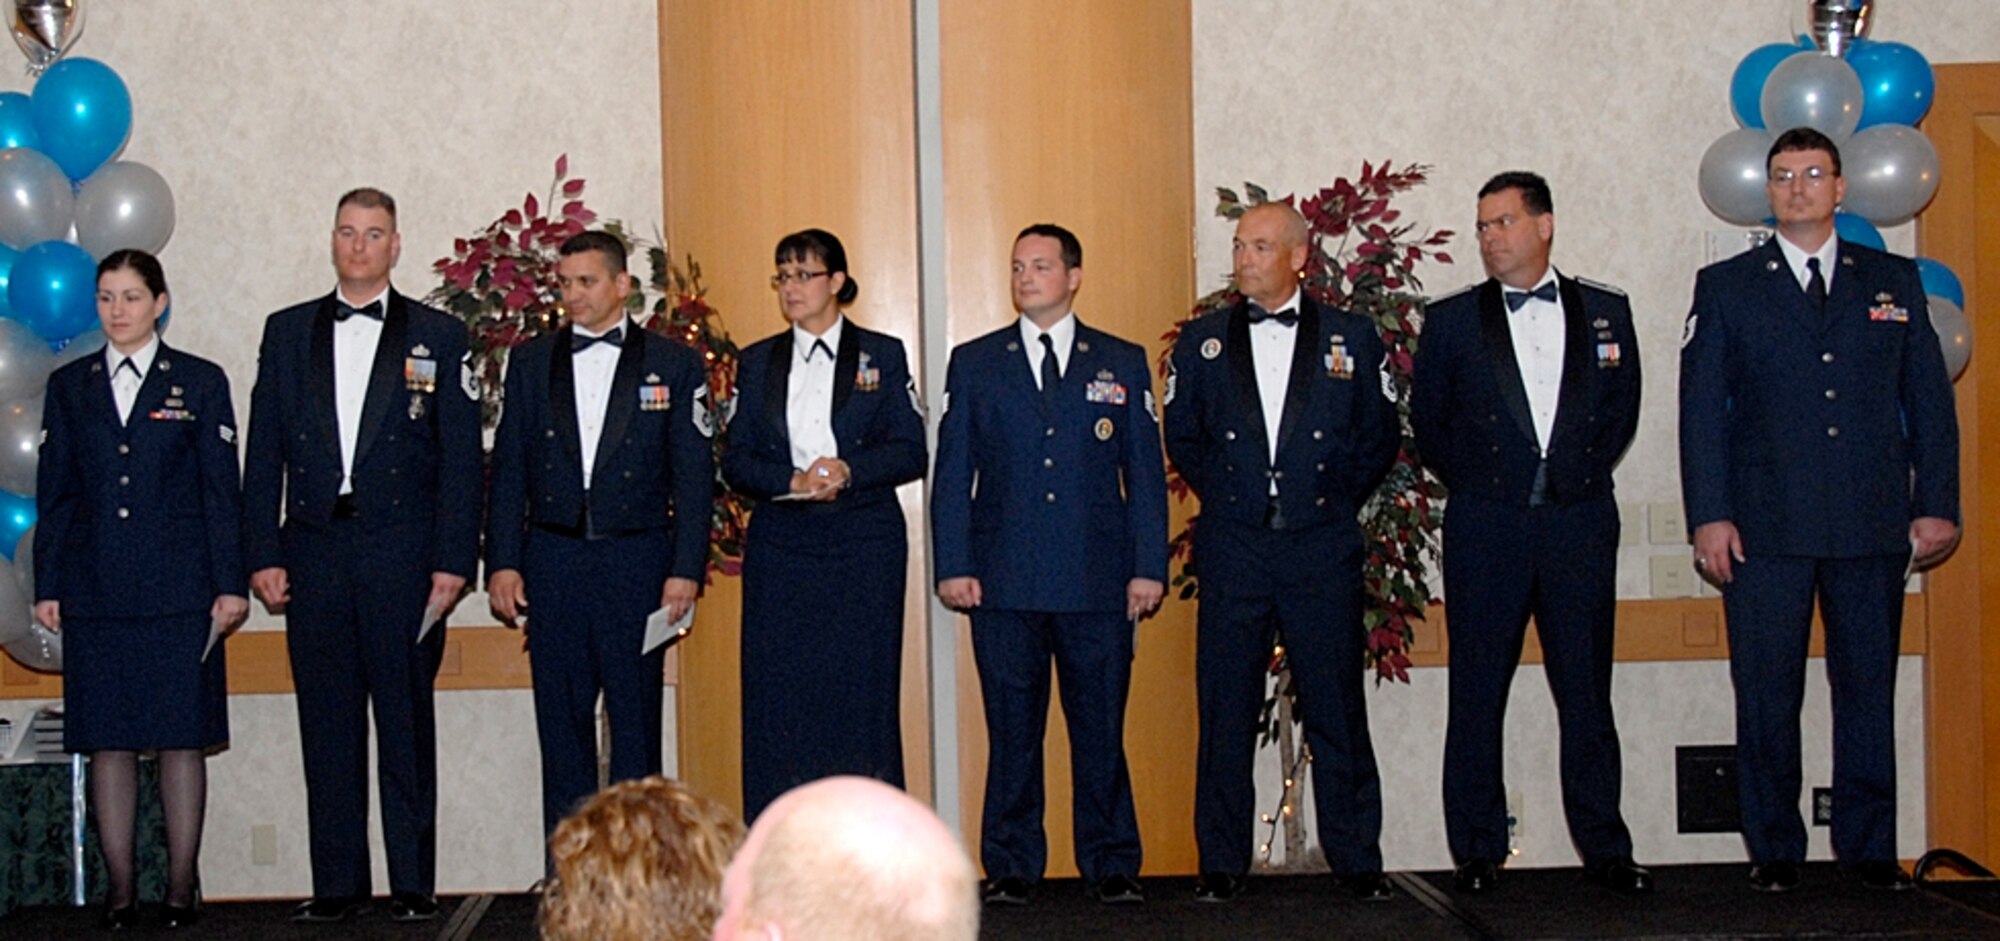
{"x": 603, "y": 489}
{"x": 364, "y": 440}
{"x": 1525, "y": 395}
{"x": 1280, "y": 417}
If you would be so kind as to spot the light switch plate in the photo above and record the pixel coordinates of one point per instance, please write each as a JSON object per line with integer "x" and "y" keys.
{"x": 1673, "y": 576}
{"x": 1666, "y": 524}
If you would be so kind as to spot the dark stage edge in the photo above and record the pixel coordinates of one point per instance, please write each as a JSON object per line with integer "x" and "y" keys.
{"x": 1692, "y": 902}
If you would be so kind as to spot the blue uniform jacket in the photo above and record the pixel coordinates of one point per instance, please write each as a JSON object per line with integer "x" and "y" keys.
{"x": 1819, "y": 435}
{"x": 1337, "y": 437}
{"x": 1469, "y": 408}
{"x": 1053, "y": 508}
{"x": 877, "y": 419}
{"x": 417, "y": 456}
{"x": 654, "y": 468}
{"x": 141, "y": 519}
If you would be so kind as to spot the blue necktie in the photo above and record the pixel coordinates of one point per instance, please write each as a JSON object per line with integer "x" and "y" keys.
{"x": 1515, "y": 299}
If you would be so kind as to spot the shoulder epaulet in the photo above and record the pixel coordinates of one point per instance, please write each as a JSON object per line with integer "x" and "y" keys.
{"x": 1606, "y": 288}
{"x": 1451, "y": 294}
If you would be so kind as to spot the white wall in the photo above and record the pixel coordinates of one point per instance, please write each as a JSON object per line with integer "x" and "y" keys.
{"x": 1614, "y": 103}
{"x": 259, "y": 115}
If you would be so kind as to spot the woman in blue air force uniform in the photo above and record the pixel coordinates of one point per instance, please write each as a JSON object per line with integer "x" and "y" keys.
{"x": 136, "y": 557}
{"x": 827, "y": 425}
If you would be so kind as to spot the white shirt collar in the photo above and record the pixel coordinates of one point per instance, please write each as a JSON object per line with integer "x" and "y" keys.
{"x": 1061, "y": 334}
{"x": 142, "y": 360}
{"x": 1796, "y": 258}
{"x": 802, "y": 339}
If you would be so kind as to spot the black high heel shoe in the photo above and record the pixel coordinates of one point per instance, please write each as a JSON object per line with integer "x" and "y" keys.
{"x": 178, "y": 916}
{"x": 119, "y": 919}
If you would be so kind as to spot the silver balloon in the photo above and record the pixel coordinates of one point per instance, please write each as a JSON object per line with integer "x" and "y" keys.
{"x": 36, "y": 204}
{"x": 1819, "y": 92}
{"x": 25, "y": 361}
{"x": 15, "y": 608}
{"x": 1954, "y": 333}
{"x": 1733, "y": 175}
{"x": 20, "y": 444}
{"x": 40, "y": 649}
{"x": 1834, "y": 25}
{"x": 124, "y": 205}
{"x": 24, "y": 564}
{"x": 88, "y": 343}
{"x": 45, "y": 29}
{"x": 1892, "y": 172}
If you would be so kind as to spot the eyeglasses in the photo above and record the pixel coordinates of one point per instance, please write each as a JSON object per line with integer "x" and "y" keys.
{"x": 783, "y": 278}
{"x": 1813, "y": 177}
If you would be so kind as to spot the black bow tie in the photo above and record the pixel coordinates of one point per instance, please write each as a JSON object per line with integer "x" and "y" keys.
{"x": 1515, "y": 299}
{"x": 578, "y": 342}
{"x": 1287, "y": 318}
{"x": 819, "y": 347}
{"x": 371, "y": 310}
{"x": 125, "y": 364}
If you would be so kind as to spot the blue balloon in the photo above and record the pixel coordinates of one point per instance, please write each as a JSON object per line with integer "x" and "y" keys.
{"x": 1896, "y": 82}
{"x": 8, "y": 256}
{"x": 53, "y": 290}
{"x": 1853, "y": 228}
{"x": 17, "y": 513}
{"x": 83, "y": 113}
{"x": 17, "y": 122}
{"x": 1746, "y": 86}
{"x": 1939, "y": 280}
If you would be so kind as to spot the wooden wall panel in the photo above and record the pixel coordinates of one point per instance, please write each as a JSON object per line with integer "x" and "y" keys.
{"x": 1080, "y": 114}
{"x": 778, "y": 116}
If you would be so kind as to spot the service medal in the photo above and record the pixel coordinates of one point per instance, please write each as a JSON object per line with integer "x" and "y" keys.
{"x": 1104, "y": 429}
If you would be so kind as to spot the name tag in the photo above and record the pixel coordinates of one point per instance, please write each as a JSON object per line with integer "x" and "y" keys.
{"x": 420, "y": 374}
{"x": 653, "y": 398}
{"x": 1104, "y": 392}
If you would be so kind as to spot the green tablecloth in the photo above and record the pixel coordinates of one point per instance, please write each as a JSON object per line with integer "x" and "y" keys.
{"x": 35, "y": 862}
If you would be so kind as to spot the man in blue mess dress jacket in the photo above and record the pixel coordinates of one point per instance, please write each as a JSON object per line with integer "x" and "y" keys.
{"x": 364, "y": 439}
{"x": 1049, "y": 523}
{"x": 1819, "y": 460}
{"x": 603, "y": 491}
{"x": 1281, "y": 417}
{"x": 1526, "y": 394}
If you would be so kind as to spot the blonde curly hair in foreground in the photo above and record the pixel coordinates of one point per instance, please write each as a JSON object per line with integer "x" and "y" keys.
{"x": 640, "y": 860}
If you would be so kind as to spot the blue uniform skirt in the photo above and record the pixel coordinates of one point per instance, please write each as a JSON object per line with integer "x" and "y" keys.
{"x": 139, "y": 684}
{"x": 822, "y": 645}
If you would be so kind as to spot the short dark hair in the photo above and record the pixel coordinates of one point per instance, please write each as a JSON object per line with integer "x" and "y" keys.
{"x": 825, "y": 246}
{"x": 142, "y": 262}
{"x": 604, "y": 243}
{"x": 368, "y": 197}
{"x": 1802, "y": 139}
{"x": 1534, "y": 190}
{"x": 1072, "y": 250}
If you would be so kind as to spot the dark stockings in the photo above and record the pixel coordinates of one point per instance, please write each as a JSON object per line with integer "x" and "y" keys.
{"x": 114, "y": 798}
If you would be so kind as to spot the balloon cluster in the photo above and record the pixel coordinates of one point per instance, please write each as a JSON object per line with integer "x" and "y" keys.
{"x": 67, "y": 203}
{"x": 1867, "y": 96}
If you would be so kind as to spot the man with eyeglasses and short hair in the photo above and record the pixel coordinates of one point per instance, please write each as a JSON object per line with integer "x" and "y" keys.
{"x": 1819, "y": 461}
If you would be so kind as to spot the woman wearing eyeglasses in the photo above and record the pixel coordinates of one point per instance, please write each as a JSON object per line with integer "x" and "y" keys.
{"x": 827, "y": 425}
{"x": 136, "y": 561}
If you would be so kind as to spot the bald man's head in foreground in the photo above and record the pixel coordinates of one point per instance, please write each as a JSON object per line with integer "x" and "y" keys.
{"x": 849, "y": 858}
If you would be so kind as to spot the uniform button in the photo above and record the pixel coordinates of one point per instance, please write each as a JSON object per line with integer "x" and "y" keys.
{"x": 1229, "y": 436}
{"x": 1280, "y": 475}
{"x": 550, "y": 433}
{"x": 1832, "y": 432}
{"x": 1496, "y": 449}
{"x": 1318, "y": 434}
{"x": 1826, "y": 357}
{"x": 1229, "y": 468}
{"x": 1320, "y": 466}
{"x": 1051, "y": 497}
{"x": 628, "y": 475}
{"x": 123, "y": 512}
{"x": 1320, "y": 502}
{"x": 1049, "y": 432}
{"x": 302, "y": 436}
{"x": 1830, "y": 394}
{"x": 1232, "y": 498}
{"x": 1048, "y": 462}
{"x": 124, "y": 449}
{"x": 124, "y": 481}
{"x": 393, "y": 471}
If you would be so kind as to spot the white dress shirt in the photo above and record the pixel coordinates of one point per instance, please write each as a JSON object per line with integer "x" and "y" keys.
{"x": 1062, "y": 336}
{"x": 354, "y": 342}
{"x": 1796, "y": 258}
{"x": 1537, "y": 329}
{"x": 1271, "y": 347}
{"x": 594, "y": 369}
{"x": 124, "y": 382}
{"x": 809, "y": 395}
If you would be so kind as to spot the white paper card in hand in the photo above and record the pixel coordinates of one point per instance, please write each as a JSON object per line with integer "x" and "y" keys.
{"x": 431, "y": 617}
{"x": 660, "y": 631}
{"x": 214, "y": 636}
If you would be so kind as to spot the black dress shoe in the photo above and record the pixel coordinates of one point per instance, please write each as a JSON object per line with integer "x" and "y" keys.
{"x": 326, "y": 911}
{"x": 119, "y": 919}
{"x": 1881, "y": 875}
{"x": 1477, "y": 877}
{"x": 1365, "y": 886}
{"x": 1218, "y": 887}
{"x": 179, "y": 916}
{"x": 1006, "y": 890}
{"x": 1120, "y": 889}
{"x": 412, "y": 906}
{"x": 1620, "y": 875}
{"x": 1774, "y": 877}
